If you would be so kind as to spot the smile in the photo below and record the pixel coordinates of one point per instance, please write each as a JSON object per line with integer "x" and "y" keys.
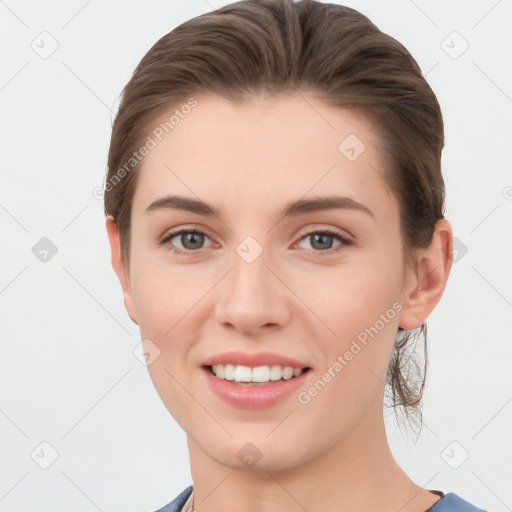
{"x": 254, "y": 375}
{"x": 239, "y": 388}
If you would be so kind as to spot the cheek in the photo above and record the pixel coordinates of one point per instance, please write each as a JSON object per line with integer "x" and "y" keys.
{"x": 164, "y": 299}
{"x": 356, "y": 363}
{"x": 347, "y": 298}
{"x": 358, "y": 308}
{"x": 163, "y": 295}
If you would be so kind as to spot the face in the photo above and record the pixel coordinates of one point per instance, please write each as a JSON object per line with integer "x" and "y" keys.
{"x": 321, "y": 284}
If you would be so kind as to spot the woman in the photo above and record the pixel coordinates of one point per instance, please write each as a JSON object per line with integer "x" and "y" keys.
{"x": 274, "y": 206}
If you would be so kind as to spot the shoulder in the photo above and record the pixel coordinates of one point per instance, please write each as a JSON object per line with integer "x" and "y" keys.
{"x": 178, "y": 502}
{"x": 451, "y": 502}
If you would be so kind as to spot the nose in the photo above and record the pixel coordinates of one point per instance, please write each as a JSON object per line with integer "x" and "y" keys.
{"x": 251, "y": 298}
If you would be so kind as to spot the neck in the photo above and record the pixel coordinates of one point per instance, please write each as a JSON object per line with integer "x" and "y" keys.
{"x": 359, "y": 473}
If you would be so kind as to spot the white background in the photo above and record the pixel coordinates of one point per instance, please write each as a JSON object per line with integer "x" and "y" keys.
{"x": 68, "y": 375}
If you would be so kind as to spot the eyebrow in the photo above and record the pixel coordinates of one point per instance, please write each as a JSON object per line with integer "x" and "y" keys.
{"x": 293, "y": 209}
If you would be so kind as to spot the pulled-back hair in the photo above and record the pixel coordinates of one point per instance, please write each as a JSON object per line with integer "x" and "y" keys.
{"x": 280, "y": 46}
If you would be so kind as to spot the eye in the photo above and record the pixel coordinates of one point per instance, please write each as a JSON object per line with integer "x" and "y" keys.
{"x": 191, "y": 240}
{"x": 322, "y": 241}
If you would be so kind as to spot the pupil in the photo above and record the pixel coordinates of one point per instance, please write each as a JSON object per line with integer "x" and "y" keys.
{"x": 186, "y": 238}
{"x": 321, "y": 237}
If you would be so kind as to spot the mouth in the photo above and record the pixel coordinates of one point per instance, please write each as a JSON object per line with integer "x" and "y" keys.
{"x": 254, "y": 376}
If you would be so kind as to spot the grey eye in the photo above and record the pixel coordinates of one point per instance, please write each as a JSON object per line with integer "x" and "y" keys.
{"x": 321, "y": 241}
{"x": 191, "y": 240}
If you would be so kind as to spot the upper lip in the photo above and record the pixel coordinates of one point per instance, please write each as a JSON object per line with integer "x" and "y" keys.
{"x": 253, "y": 360}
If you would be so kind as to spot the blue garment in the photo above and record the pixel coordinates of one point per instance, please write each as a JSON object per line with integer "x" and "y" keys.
{"x": 178, "y": 502}
{"x": 450, "y": 502}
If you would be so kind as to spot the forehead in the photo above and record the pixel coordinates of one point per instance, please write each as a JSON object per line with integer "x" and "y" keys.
{"x": 261, "y": 151}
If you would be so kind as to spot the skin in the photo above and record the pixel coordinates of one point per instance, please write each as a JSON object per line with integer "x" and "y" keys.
{"x": 247, "y": 160}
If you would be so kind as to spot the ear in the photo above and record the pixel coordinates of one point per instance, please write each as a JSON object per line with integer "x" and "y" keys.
{"x": 426, "y": 284}
{"x": 119, "y": 267}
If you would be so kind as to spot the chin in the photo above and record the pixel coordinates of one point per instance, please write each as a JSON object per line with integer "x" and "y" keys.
{"x": 258, "y": 453}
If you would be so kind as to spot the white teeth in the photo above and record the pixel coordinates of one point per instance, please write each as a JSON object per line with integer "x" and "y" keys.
{"x": 276, "y": 372}
{"x": 241, "y": 373}
{"x": 229, "y": 372}
{"x": 260, "y": 374}
{"x": 218, "y": 369}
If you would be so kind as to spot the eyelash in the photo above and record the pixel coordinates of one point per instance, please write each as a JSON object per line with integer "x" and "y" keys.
{"x": 344, "y": 241}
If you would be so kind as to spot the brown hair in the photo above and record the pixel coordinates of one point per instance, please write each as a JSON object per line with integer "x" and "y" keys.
{"x": 280, "y": 46}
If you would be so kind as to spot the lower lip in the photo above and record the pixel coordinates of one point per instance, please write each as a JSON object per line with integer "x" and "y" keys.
{"x": 253, "y": 397}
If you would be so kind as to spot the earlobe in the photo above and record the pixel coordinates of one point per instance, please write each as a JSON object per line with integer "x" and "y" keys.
{"x": 427, "y": 285}
{"x": 119, "y": 267}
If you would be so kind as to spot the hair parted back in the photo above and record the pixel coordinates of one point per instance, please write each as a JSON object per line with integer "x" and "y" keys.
{"x": 280, "y": 46}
